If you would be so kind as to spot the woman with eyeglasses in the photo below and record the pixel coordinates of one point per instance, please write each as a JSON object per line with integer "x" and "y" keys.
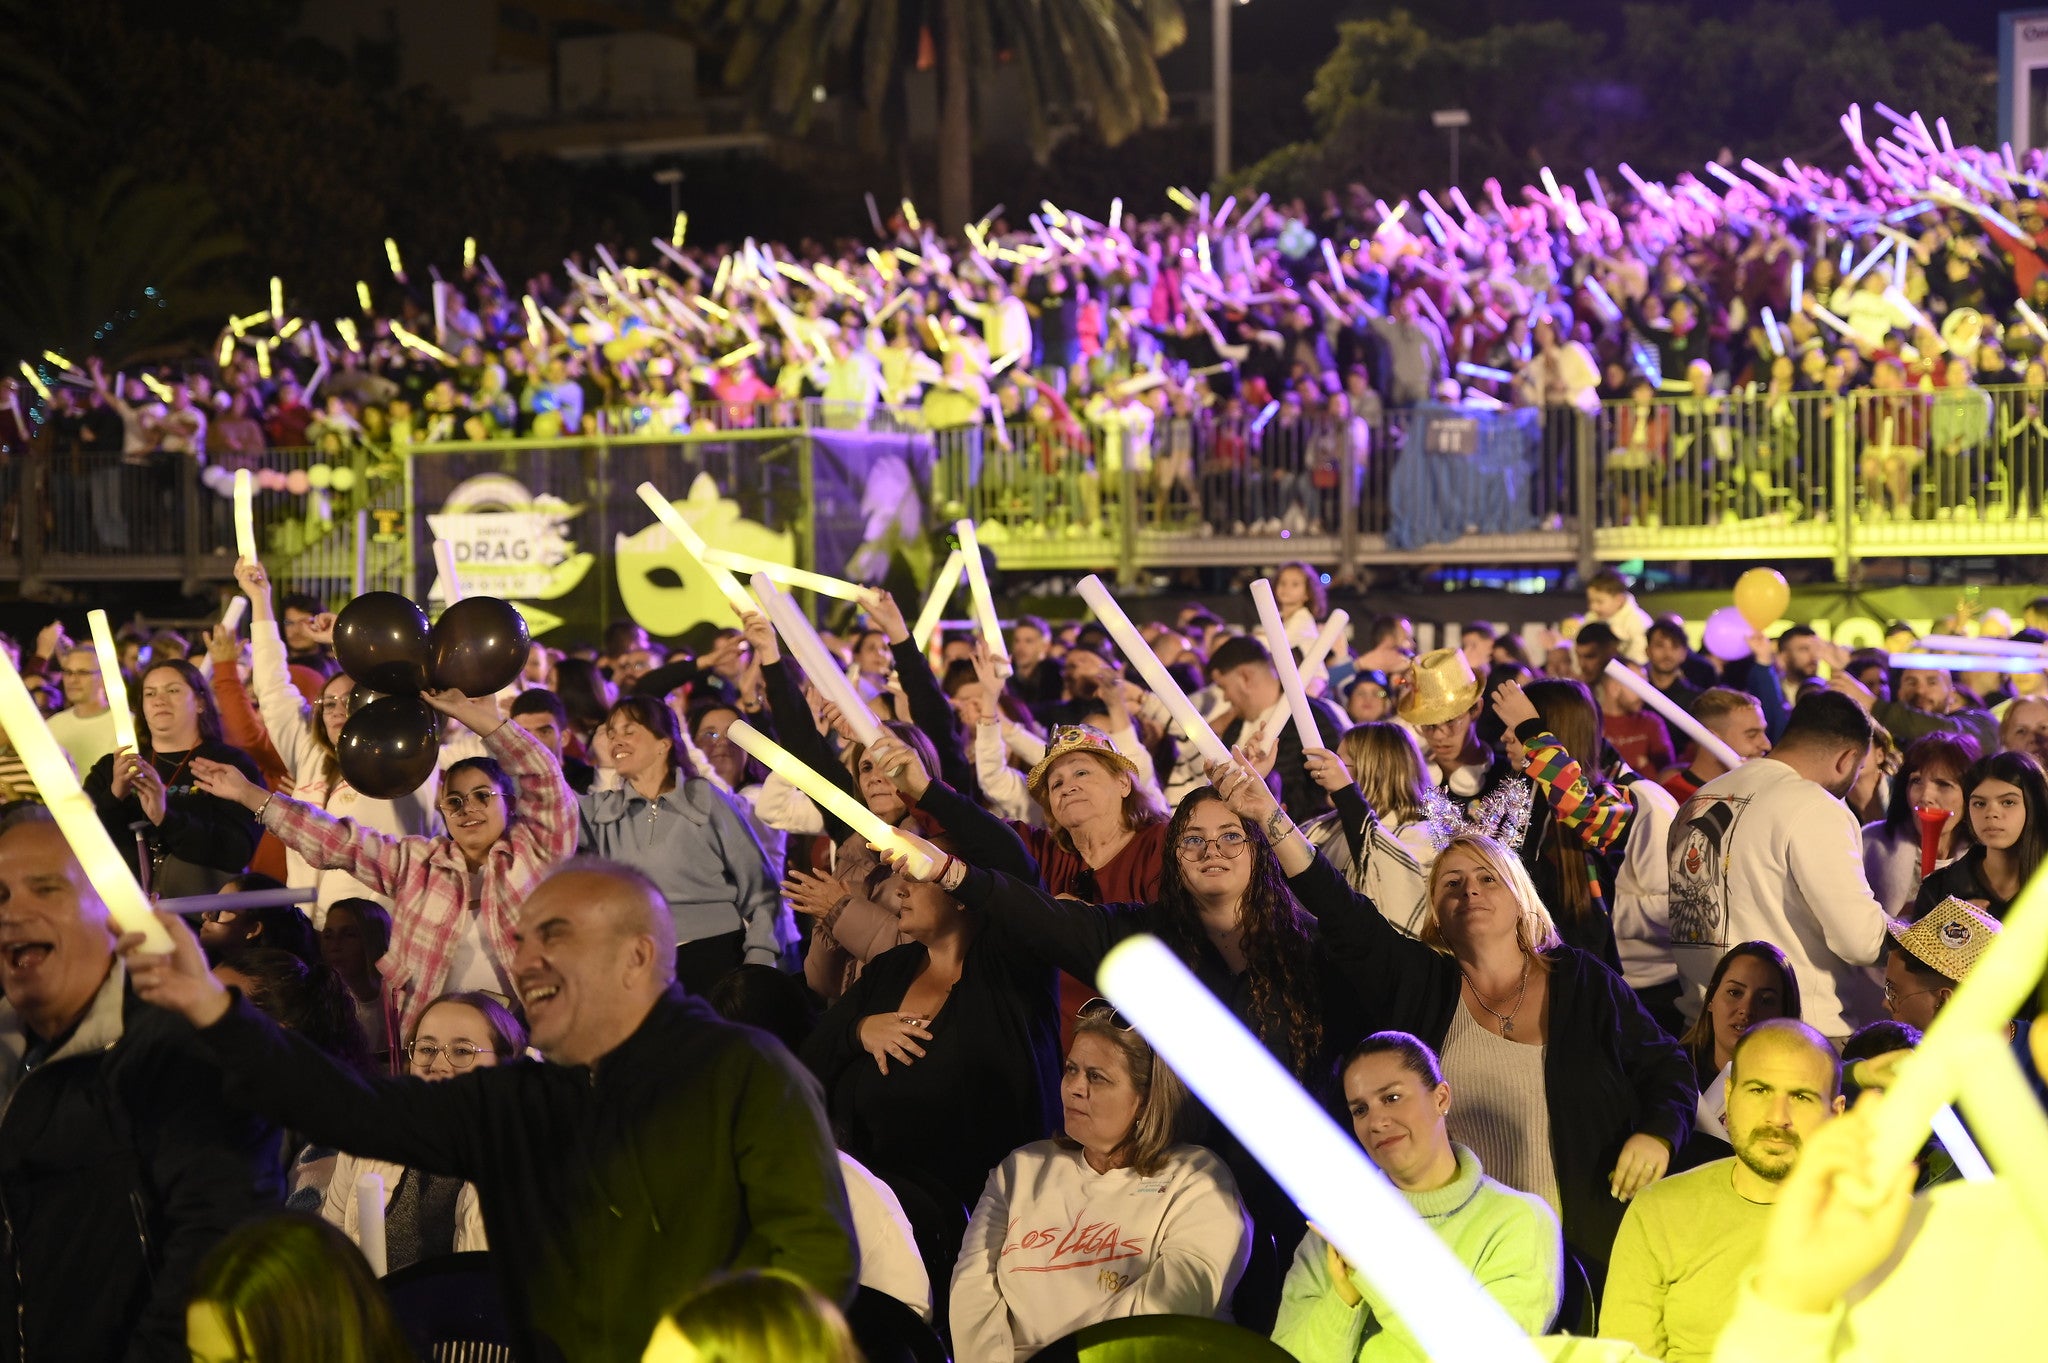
{"x": 455, "y": 897}
{"x": 305, "y": 735}
{"x": 429, "y": 1215}
{"x": 650, "y": 810}
{"x": 1570, "y": 1089}
{"x": 1115, "y": 1217}
{"x": 193, "y": 842}
{"x": 941, "y": 1058}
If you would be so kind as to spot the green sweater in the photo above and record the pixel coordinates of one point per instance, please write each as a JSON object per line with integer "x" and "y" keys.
{"x": 1683, "y": 1248}
{"x": 1509, "y": 1240}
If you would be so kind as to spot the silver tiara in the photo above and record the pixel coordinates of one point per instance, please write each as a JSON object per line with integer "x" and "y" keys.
{"x": 1502, "y": 814}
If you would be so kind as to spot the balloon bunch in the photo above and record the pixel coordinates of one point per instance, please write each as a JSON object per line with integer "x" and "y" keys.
{"x": 390, "y": 743}
{"x": 1761, "y": 596}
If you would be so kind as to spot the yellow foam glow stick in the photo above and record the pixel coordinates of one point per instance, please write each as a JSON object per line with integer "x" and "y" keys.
{"x": 347, "y": 327}
{"x": 73, "y": 810}
{"x": 693, "y": 544}
{"x": 1139, "y": 655}
{"x": 425, "y": 347}
{"x": 391, "y": 254}
{"x": 783, "y": 573}
{"x": 935, "y": 604}
{"x": 245, "y": 516}
{"x": 733, "y": 357}
{"x": 34, "y": 382}
{"x": 682, "y": 230}
{"x": 910, "y": 216}
{"x": 885, "y": 266}
{"x": 110, "y": 677}
{"x": 713, "y": 309}
{"x": 978, "y": 592}
{"x": 263, "y": 358}
{"x": 469, "y": 253}
{"x": 1180, "y": 197}
{"x": 363, "y": 296}
{"x": 1986, "y": 1000}
{"x": 158, "y": 387}
{"x": 276, "y": 296}
{"x": 290, "y": 329}
{"x": 924, "y": 858}
{"x": 242, "y": 324}
{"x": 1059, "y": 219}
{"x": 227, "y": 350}
{"x": 1283, "y": 663}
{"x": 54, "y": 358}
{"x": 723, "y": 277}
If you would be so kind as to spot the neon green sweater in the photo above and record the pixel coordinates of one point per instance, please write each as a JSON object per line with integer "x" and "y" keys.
{"x": 1509, "y": 1240}
{"x": 1682, "y": 1250}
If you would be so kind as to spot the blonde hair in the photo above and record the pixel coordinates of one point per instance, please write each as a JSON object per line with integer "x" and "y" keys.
{"x": 1163, "y": 1101}
{"x": 1536, "y": 931}
{"x": 1388, "y": 763}
{"x": 760, "y": 1313}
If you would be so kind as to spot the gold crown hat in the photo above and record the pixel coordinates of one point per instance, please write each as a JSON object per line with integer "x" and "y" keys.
{"x": 1073, "y": 738}
{"x": 1950, "y": 938}
{"x": 1444, "y": 688}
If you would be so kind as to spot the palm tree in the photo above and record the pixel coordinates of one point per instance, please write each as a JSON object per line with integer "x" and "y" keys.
{"x": 120, "y": 271}
{"x": 1096, "y": 58}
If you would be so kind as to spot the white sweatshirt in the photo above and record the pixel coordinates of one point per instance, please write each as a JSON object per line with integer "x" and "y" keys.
{"x": 289, "y": 721}
{"x": 889, "y": 1261}
{"x": 1054, "y": 1246}
{"x": 1642, "y": 890}
{"x": 1762, "y": 853}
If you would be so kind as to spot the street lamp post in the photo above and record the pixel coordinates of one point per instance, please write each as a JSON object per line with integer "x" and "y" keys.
{"x": 1451, "y": 120}
{"x": 673, "y": 178}
{"x": 1219, "y": 75}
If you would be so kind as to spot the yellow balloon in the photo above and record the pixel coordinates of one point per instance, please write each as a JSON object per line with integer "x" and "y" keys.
{"x": 1762, "y": 596}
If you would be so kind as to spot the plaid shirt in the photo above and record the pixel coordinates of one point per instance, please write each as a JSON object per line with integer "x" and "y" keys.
{"x": 427, "y": 879}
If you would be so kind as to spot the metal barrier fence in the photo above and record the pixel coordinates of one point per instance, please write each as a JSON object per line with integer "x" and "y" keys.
{"x": 1872, "y": 473}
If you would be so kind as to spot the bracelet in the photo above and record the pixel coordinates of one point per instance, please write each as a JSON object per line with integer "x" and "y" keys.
{"x": 1274, "y": 819}
{"x": 951, "y": 881}
{"x": 944, "y": 867}
{"x": 267, "y": 798}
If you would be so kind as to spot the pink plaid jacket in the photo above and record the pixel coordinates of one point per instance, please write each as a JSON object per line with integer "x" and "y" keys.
{"x": 427, "y": 878}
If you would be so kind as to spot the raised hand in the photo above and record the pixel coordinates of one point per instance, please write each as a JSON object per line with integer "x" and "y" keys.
{"x": 1513, "y": 705}
{"x": 761, "y": 634}
{"x": 480, "y": 714}
{"x": 811, "y": 893}
{"x": 1242, "y": 788}
{"x": 226, "y": 781}
{"x": 1327, "y": 769}
{"x": 892, "y": 755}
{"x": 178, "y": 983}
{"x": 887, "y": 615}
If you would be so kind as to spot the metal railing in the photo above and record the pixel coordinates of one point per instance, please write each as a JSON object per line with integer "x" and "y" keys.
{"x": 1947, "y": 473}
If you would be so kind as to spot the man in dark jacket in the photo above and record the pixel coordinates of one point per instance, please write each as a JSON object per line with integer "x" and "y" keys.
{"x": 659, "y": 1145}
{"x": 121, "y": 1164}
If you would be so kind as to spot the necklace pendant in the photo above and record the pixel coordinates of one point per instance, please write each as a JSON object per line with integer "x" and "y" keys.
{"x": 1507, "y": 1026}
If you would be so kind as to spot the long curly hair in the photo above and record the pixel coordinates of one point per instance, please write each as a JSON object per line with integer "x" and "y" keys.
{"x": 1278, "y": 949}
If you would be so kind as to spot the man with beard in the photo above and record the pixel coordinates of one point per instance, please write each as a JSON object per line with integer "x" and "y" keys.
{"x": 1688, "y": 1240}
{"x": 1769, "y": 852}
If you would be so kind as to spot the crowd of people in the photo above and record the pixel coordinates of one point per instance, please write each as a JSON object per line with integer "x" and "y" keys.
{"x": 1721, "y": 348}
{"x": 634, "y": 1014}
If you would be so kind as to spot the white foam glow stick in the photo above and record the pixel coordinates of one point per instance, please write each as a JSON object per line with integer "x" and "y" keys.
{"x": 977, "y": 589}
{"x": 1656, "y": 700}
{"x": 1955, "y": 643}
{"x": 693, "y": 544}
{"x": 1964, "y": 662}
{"x": 1325, "y": 640}
{"x": 923, "y": 857}
{"x": 815, "y": 659}
{"x": 190, "y": 904}
{"x": 1298, "y": 708}
{"x": 110, "y": 677}
{"x": 789, "y": 577}
{"x": 1954, "y": 1138}
{"x": 231, "y": 618}
{"x": 362, "y": 575}
{"x": 370, "y": 1221}
{"x": 451, "y": 572}
{"x": 2033, "y": 318}
{"x": 50, "y": 770}
{"x": 245, "y": 515}
{"x": 1319, "y": 1166}
{"x": 935, "y": 604}
{"x": 1140, "y": 656}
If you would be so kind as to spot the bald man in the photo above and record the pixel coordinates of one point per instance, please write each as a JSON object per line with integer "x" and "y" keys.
{"x": 1687, "y": 1241}
{"x": 657, "y": 1146}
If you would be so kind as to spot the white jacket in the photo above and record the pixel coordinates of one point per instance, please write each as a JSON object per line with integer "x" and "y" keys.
{"x": 1642, "y": 889}
{"x": 289, "y": 721}
{"x": 339, "y": 1210}
{"x": 1054, "y": 1246}
{"x": 889, "y": 1261}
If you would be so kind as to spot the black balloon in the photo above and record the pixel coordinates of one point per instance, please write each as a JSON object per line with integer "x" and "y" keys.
{"x": 390, "y": 746}
{"x": 362, "y": 698}
{"x": 480, "y": 645}
{"x": 382, "y": 641}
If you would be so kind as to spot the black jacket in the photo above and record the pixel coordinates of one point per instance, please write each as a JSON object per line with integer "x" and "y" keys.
{"x": 1963, "y": 879}
{"x": 1298, "y": 791}
{"x": 1609, "y": 1071}
{"x": 203, "y": 842}
{"x": 609, "y": 1191}
{"x": 121, "y": 1166}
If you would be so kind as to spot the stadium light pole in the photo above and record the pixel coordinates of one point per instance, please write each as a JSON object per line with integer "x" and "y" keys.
{"x": 1219, "y": 77}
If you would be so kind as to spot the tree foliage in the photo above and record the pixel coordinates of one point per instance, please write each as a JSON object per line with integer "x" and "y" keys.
{"x": 1672, "y": 89}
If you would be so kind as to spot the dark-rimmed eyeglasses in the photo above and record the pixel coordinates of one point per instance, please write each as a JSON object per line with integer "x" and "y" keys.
{"x": 1194, "y": 846}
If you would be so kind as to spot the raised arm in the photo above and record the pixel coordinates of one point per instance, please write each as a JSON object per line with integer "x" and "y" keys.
{"x": 929, "y": 708}
{"x": 286, "y": 716}
{"x": 378, "y": 860}
{"x": 980, "y": 836}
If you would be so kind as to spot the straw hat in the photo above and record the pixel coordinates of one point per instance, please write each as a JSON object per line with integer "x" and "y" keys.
{"x": 1444, "y": 688}
{"x": 1950, "y": 938}
{"x": 1073, "y": 738}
